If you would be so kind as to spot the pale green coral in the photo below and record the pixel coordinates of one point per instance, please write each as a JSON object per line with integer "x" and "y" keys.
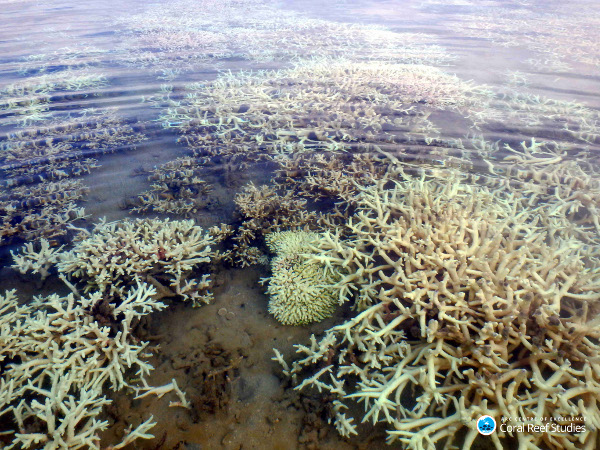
{"x": 287, "y": 243}
{"x": 300, "y": 289}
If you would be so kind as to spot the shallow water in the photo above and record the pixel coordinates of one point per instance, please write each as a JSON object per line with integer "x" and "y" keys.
{"x": 101, "y": 94}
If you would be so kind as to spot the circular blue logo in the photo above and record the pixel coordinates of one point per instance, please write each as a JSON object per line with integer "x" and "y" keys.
{"x": 486, "y": 425}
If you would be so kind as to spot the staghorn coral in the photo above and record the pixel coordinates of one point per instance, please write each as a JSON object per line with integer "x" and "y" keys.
{"x": 561, "y": 35}
{"x": 253, "y": 115}
{"x": 36, "y": 260}
{"x": 262, "y": 210}
{"x": 331, "y": 176}
{"x": 344, "y": 108}
{"x": 300, "y": 289}
{"x": 31, "y": 101}
{"x": 464, "y": 309}
{"x": 161, "y": 252}
{"x": 188, "y": 33}
{"x": 37, "y": 197}
{"x": 55, "y": 361}
{"x": 177, "y": 189}
{"x": 40, "y": 211}
{"x": 65, "y": 146}
{"x": 556, "y": 179}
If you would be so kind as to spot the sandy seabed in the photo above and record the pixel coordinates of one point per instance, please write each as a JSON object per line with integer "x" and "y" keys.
{"x": 220, "y": 355}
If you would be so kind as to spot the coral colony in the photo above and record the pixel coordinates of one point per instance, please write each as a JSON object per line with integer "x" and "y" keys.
{"x": 463, "y": 310}
{"x": 300, "y": 290}
{"x": 59, "y": 354}
{"x": 469, "y": 268}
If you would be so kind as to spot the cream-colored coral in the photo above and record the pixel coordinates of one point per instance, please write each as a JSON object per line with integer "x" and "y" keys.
{"x": 39, "y": 211}
{"x": 161, "y": 252}
{"x": 245, "y": 117}
{"x": 37, "y": 198}
{"x": 37, "y": 261}
{"x": 196, "y": 31}
{"x": 263, "y": 210}
{"x": 177, "y": 189}
{"x": 301, "y": 291}
{"x": 464, "y": 309}
{"x": 57, "y": 360}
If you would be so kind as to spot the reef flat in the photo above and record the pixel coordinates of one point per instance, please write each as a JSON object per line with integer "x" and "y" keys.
{"x": 299, "y": 225}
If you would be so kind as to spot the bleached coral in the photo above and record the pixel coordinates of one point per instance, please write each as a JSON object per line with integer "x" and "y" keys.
{"x": 57, "y": 360}
{"x": 161, "y": 252}
{"x": 59, "y": 354}
{"x": 188, "y": 32}
{"x": 464, "y": 309}
{"x": 177, "y": 189}
{"x": 37, "y": 197}
{"x": 39, "y": 211}
{"x": 301, "y": 290}
{"x": 263, "y": 210}
{"x": 245, "y": 117}
{"x": 37, "y": 261}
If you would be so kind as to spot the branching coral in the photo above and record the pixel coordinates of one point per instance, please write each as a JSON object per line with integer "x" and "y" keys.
{"x": 59, "y": 354}
{"x": 37, "y": 200}
{"x": 30, "y": 101}
{"x": 263, "y": 210}
{"x": 65, "y": 147}
{"x": 301, "y": 290}
{"x": 463, "y": 310}
{"x": 248, "y": 115}
{"x": 161, "y": 252}
{"x": 557, "y": 180}
{"x": 177, "y": 189}
{"x": 55, "y": 360}
{"x": 191, "y": 32}
{"x": 39, "y": 211}
{"x": 37, "y": 260}
{"x": 331, "y": 176}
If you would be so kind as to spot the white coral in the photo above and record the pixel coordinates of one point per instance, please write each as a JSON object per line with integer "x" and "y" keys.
{"x": 38, "y": 261}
